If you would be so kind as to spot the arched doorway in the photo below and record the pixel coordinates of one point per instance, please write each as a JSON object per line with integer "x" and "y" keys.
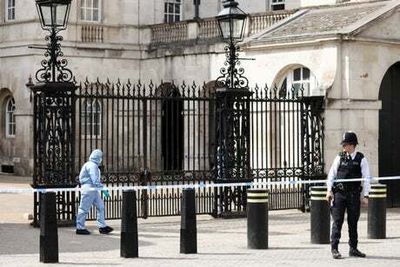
{"x": 172, "y": 123}
{"x": 389, "y": 132}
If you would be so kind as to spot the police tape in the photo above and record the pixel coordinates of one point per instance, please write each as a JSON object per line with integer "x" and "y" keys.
{"x": 200, "y": 184}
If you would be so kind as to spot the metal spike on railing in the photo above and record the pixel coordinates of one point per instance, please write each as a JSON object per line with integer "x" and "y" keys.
{"x": 107, "y": 86}
{"x": 293, "y": 93}
{"x": 184, "y": 87}
{"x": 256, "y": 89}
{"x": 123, "y": 90}
{"x": 112, "y": 90}
{"x": 138, "y": 87}
{"x": 274, "y": 92}
{"x": 144, "y": 90}
{"x": 128, "y": 87}
{"x": 118, "y": 86}
{"x": 266, "y": 91}
{"x": 134, "y": 89}
{"x": 302, "y": 90}
{"x": 194, "y": 87}
{"x": 204, "y": 89}
{"x": 151, "y": 88}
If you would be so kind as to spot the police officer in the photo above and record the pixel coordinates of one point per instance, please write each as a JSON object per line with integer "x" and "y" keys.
{"x": 343, "y": 196}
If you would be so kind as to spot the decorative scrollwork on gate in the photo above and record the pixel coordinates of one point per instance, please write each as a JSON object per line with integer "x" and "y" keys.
{"x": 54, "y": 69}
{"x": 231, "y": 76}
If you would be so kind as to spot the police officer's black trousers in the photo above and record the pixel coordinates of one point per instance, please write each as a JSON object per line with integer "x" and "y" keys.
{"x": 349, "y": 201}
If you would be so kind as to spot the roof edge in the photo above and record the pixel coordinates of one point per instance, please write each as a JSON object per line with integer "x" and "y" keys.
{"x": 360, "y": 24}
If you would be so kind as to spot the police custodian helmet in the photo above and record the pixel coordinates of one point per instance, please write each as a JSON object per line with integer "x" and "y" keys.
{"x": 349, "y": 138}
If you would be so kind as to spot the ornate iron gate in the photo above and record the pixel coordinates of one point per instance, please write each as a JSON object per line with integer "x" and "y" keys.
{"x": 166, "y": 135}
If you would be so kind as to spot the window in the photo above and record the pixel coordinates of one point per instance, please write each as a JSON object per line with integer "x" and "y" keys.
{"x": 297, "y": 79}
{"x": 301, "y": 78}
{"x": 10, "y": 9}
{"x": 277, "y": 5}
{"x": 90, "y": 10}
{"x": 91, "y": 112}
{"x": 10, "y": 118}
{"x": 172, "y": 11}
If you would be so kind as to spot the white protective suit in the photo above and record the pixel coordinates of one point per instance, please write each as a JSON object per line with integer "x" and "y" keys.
{"x": 89, "y": 178}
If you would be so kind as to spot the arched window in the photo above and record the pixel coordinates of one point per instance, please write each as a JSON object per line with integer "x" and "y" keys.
{"x": 91, "y": 113}
{"x": 10, "y": 117}
{"x": 297, "y": 79}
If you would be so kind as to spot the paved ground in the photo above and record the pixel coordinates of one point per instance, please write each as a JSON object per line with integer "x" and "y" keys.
{"x": 221, "y": 242}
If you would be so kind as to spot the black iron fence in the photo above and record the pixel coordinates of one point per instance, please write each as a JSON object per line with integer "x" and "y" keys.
{"x": 166, "y": 135}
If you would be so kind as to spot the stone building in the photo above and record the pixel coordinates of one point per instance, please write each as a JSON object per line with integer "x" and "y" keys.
{"x": 346, "y": 52}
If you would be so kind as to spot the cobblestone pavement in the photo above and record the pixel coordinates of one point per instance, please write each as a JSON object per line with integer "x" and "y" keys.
{"x": 221, "y": 242}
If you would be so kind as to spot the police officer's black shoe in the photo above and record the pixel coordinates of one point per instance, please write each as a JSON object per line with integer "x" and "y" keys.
{"x": 106, "y": 230}
{"x": 336, "y": 254}
{"x": 82, "y": 232}
{"x": 356, "y": 253}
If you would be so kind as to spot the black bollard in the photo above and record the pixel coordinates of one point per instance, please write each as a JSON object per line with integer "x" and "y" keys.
{"x": 257, "y": 218}
{"x": 129, "y": 228}
{"x": 320, "y": 216}
{"x": 188, "y": 222}
{"x": 48, "y": 228}
{"x": 377, "y": 212}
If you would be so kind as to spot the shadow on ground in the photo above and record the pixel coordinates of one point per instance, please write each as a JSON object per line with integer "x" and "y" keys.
{"x": 24, "y": 239}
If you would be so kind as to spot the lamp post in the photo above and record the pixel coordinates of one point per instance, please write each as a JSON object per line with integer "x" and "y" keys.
{"x": 53, "y": 16}
{"x": 232, "y": 115}
{"x": 231, "y": 22}
{"x": 54, "y": 114}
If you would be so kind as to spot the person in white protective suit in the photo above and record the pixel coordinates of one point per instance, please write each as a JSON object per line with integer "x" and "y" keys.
{"x": 91, "y": 185}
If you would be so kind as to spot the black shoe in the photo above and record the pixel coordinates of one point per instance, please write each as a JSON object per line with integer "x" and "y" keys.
{"x": 82, "y": 232}
{"x": 106, "y": 230}
{"x": 356, "y": 253}
{"x": 336, "y": 254}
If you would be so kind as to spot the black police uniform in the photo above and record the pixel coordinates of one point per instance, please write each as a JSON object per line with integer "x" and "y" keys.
{"x": 346, "y": 197}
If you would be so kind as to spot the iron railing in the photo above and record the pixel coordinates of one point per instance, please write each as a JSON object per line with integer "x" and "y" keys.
{"x": 166, "y": 134}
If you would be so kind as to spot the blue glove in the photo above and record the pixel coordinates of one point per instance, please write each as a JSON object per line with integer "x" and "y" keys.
{"x": 105, "y": 192}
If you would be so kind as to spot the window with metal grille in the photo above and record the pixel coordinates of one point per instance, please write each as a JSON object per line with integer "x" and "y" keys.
{"x": 10, "y": 118}
{"x": 91, "y": 113}
{"x": 172, "y": 11}
{"x": 277, "y": 4}
{"x": 10, "y": 9}
{"x": 90, "y": 10}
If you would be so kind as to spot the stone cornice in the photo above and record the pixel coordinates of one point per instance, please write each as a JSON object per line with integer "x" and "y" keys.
{"x": 353, "y": 104}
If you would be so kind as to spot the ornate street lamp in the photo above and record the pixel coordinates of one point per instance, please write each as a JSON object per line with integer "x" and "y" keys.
{"x": 231, "y": 22}
{"x": 54, "y": 114}
{"x": 53, "y": 16}
{"x": 232, "y": 116}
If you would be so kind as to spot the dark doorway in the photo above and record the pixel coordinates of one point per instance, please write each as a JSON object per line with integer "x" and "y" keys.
{"x": 389, "y": 132}
{"x": 172, "y": 128}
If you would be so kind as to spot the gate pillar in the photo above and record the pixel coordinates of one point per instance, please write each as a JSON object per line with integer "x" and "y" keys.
{"x": 53, "y": 150}
{"x": 54, "y": 116}
{"x": 232, "y": 123}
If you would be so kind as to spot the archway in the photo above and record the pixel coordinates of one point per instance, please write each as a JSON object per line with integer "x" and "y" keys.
{"x": 389, "y": 132}
{"x": 172, "y": 128}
